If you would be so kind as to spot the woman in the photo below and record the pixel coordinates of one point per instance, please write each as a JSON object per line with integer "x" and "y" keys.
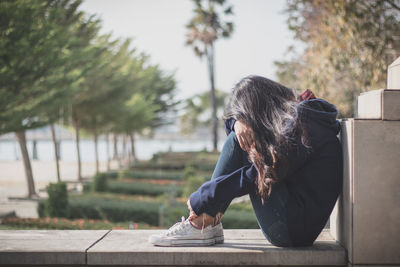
{"x": 283, "y": 151}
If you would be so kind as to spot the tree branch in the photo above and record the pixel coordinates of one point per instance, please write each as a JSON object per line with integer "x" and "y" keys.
{"x": 393, "y": 4}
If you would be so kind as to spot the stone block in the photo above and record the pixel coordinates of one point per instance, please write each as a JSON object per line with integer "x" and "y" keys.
{"x": 379, "y": 104}
{"x": 369, "y": 214}
{"x": 341, "y": 220}
{"x": 241, "y": 247}
{"x": 46, "y": 247}
{"x": 393, "y": 79}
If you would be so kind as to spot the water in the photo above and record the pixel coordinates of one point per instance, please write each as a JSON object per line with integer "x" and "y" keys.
{"x": 9, "y": 150}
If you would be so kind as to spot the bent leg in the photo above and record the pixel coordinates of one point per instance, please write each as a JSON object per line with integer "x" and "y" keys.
{"x": 232, "y": 158}
{"x": 271, "y": 216}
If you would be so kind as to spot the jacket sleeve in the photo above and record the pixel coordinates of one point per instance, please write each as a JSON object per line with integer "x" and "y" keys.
{"x": 209, "y": 197}
{"x": 229, "y": 125}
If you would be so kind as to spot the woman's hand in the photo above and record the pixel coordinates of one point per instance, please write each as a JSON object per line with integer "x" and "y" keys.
{"x": 192, "y": 215}
{"x": 245, "y": 136}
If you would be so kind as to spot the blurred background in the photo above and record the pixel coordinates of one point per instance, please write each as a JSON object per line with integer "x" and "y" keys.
{"x": 111, "y": 111}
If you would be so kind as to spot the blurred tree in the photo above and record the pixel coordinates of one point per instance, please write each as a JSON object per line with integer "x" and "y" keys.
{"x": 78, "y": 60}
{"x": 349, "y": 45}
{"x": 121, "y": 94}
{"x": 137, "y": 114}
{"x": 204, "y": 29}
{"x": 36, "y": 44}
{"x": 149, "y": 100}
{"x": 197, "y": 110}
{"x": 100, "y": 89}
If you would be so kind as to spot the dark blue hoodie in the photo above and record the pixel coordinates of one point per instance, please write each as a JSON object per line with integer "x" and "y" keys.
{"x": 313, "y": 179}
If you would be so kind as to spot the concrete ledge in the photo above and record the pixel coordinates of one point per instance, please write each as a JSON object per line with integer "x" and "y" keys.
{"x": 130, "y": 247}
{"x": 46, "y": 247}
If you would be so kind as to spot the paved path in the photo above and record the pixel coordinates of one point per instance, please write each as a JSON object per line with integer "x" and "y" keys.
{"x": 13, "y": 181}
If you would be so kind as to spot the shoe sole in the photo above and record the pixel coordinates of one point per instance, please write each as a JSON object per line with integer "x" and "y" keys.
{"x": 191, "y": 242}
{"x": 219, "y": 239}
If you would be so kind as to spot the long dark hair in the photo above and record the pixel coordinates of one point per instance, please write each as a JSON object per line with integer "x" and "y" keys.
{"x": 270, "y": 110}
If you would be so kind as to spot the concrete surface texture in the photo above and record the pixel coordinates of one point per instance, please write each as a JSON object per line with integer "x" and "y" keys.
{"x": 130, "y": 247}
{"x": 376, "y": 187}
{"x": 393, "y": 80}
{"x": 41, "y": 247}
{"x": 379, "y": 104}
{"x": 367, "y": 215}
{"x": 341, "y": 216}
{"x": 370, "y": 105}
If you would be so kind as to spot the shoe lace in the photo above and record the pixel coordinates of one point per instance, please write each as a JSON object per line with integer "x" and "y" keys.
{"x": 177, "y": 227}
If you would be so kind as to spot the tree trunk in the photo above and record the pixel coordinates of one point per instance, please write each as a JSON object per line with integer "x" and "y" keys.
{"x": 96, "y": 150}
{"x": 108, "y": 151}
{"x": 132, "y": 137}
{"x": 56, "y": 152}
{"x": 211, "y": 70}
{"x": 78, "y": 152}
{"x": 27, "y": 164}
{"x": 119, "y": 155}
{"x": 115, "y": 154}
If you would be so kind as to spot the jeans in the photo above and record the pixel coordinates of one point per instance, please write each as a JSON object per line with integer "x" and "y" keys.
{"x": 271, "y": 216}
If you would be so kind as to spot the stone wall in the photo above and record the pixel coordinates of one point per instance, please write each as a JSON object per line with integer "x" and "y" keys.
{"x": 366, "y": 219}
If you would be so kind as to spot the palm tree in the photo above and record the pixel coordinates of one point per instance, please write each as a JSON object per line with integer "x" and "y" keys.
{"x": 204, "y": 29}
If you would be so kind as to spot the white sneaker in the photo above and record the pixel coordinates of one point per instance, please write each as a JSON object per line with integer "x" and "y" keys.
{"x": 218, "y": 233}
{"x": 184, "y": 234}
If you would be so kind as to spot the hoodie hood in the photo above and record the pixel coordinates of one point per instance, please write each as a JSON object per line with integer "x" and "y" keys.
{"x": 318, "y": 113}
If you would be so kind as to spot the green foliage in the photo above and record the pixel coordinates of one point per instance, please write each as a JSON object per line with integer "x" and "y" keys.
{"x": 116, "y": 210}
{"x": 175, "y": 165}
{"x": 57, "y": 203}
{"x": 192, "y": 184}
{"x": 41, "y": 208}
{"x": 234, "y": 219}
{"x": 206, "y": 25}
{"x": 192, "y": 179}
{"x": 112, "y": 174}
{"x": 189, "y": 171}
{"x": 348, "y": 46}
{"x": 40, "y": 51}
{"x": 242, "y": 206}
{"x": 122, "y": 93}
{"x": 100, "y": 182}
{"x": 161, "y": 175}
{"x": 143, "y": 188}
{"x": 66, "y": 224}
{"x": 198, "y": 110}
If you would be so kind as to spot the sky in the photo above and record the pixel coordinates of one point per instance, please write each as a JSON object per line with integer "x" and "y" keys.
{"x": 157, "y": 28}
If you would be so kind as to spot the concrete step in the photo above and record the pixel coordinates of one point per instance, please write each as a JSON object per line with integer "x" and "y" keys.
{"x": 130, "y": 247}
